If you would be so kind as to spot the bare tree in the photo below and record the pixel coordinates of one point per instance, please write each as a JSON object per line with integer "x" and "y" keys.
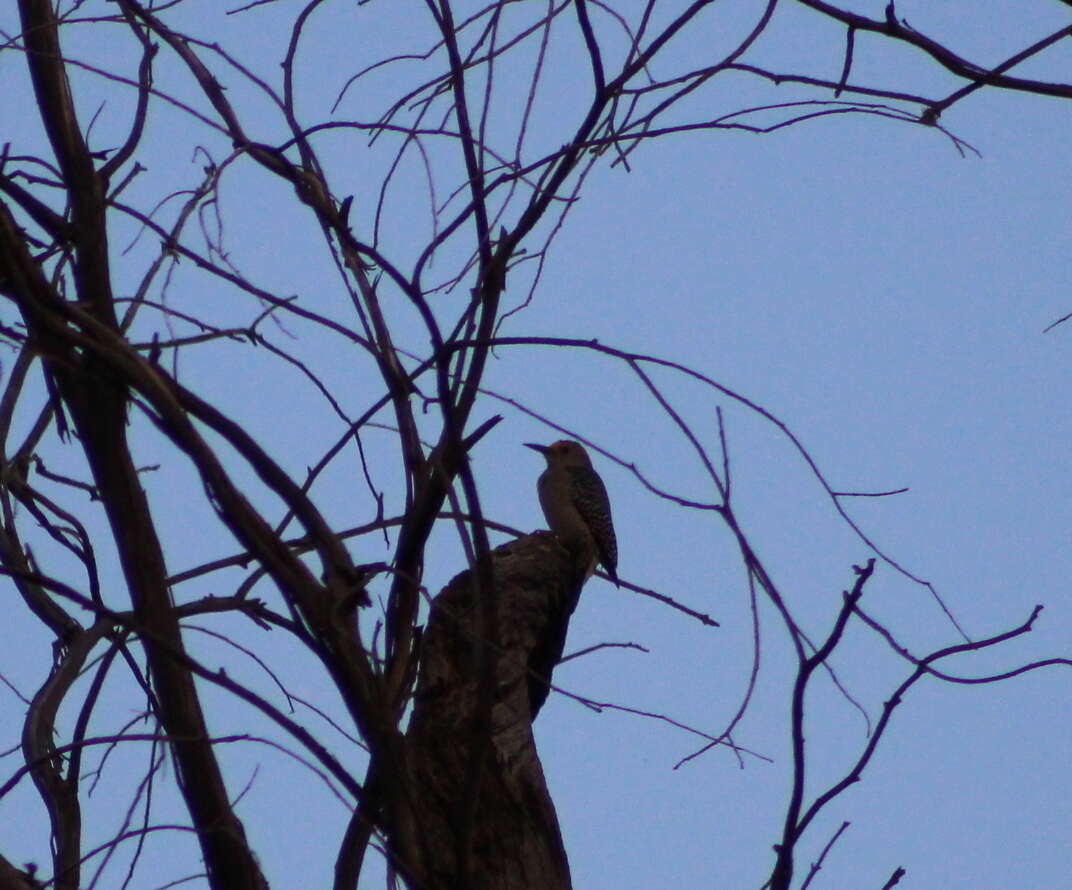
{"x": 126, "y": 298}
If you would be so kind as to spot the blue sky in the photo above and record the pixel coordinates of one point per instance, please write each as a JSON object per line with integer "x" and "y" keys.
{"x": 881, "y": 294}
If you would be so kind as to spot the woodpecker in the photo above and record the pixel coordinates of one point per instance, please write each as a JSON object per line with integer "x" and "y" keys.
{"x": 575, "y": 503}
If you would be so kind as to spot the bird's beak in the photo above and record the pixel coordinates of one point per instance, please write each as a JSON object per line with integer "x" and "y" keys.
{"x": 543, "y": 449}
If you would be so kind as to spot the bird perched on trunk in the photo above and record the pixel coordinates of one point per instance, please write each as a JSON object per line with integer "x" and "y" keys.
{"x": 575, "y": 504}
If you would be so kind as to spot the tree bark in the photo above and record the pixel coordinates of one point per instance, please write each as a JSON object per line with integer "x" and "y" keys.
{"x": 487, "y": 820}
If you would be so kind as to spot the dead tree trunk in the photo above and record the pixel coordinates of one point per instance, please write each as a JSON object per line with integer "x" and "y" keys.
{"x": 487, "y": 820}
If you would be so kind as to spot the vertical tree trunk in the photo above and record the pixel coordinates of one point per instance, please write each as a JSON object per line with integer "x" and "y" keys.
{"x": 481, "y": 799}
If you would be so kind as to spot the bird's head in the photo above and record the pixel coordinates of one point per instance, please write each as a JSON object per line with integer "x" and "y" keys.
{"x": 564, "y": 452}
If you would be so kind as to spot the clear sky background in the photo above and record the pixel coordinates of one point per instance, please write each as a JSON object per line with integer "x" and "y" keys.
{"x": 879, "y": 292}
